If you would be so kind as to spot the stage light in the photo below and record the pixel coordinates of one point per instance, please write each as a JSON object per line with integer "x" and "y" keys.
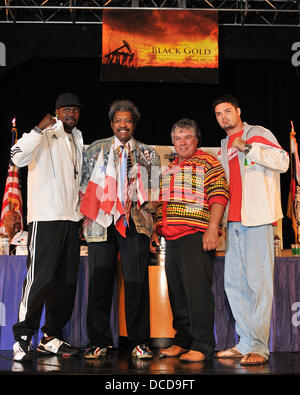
{"x": 267, "y": 1}
{"x": 206, "y": 1}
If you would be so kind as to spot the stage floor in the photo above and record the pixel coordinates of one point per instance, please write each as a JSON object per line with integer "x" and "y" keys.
{"x": 119, "y": 363}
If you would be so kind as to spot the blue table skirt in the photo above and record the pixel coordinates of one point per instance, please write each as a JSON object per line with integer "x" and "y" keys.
{"x": 285, "y": 320}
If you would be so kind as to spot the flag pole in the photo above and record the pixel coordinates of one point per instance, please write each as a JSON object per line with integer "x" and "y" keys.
{"x": 291, "y": 211}
{"x": 292, "y": 129}
{"x": 292, "y": 136}
{"x": 14, "y": 138}
{"x": 14, "y": 131}
{"x": 296, "y": 203}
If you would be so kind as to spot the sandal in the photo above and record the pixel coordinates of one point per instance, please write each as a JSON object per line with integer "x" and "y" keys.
{"x": 245, "y": 361}
{"x": 229, "y": 353}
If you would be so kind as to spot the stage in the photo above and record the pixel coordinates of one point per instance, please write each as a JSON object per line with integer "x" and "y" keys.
{"x": 120, "y": 365}
{"x": 284, "y": 340}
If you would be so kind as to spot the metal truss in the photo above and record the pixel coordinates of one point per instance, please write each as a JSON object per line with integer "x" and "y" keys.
{"x": 232, "y": 13}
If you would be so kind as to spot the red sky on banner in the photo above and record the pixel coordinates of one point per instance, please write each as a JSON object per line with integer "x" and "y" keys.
{"x": 176, "y": 38}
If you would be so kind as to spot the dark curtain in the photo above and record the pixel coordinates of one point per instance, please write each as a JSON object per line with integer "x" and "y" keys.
{"x": 268, "y": 91}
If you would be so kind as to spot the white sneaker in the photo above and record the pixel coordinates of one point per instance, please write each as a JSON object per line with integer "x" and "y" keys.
{"x": 142, "y": 351}
{"x": 22, "y": 351}
{"x": 95, "y": 352}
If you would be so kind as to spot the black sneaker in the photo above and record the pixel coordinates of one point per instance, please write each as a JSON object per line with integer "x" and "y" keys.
{"x": 56, "y": 346}
{"x": 22, "y": 351}
{"x": 95, "y": 352}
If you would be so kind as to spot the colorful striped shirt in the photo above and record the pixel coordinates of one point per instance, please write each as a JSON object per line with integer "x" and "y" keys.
{"x": 187, "y": 192}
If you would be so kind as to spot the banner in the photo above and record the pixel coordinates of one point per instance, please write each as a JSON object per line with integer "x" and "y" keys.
{"x": 162, "y": 45}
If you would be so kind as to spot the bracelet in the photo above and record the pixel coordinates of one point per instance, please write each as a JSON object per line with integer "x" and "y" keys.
{"x": 38, "y": 130}
{"x": 247, "y": 148}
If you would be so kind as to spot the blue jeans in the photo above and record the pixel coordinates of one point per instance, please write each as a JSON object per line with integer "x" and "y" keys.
{"x": 249, "y": 265}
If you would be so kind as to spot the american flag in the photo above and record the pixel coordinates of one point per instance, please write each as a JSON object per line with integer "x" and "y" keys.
{"x": 109, "y": 194}
{"x": 129, "y": 188}
{"x": 92, "y": 199}
{"x": 12, "y": 199}
{"x": 101, "y": 201}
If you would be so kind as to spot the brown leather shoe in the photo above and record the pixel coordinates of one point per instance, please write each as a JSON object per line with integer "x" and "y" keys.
{"x": 173, "y": 351}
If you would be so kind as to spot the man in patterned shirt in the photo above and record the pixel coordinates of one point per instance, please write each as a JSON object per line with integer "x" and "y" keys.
{"x": 193, "y": 196}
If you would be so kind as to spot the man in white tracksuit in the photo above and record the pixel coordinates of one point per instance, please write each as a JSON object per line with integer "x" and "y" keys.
{"x": 253, "y": 160}
{"x": 53, "y": 153}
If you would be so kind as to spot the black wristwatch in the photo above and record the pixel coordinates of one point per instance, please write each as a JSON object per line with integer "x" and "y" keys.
{"x": 247, "y": 148}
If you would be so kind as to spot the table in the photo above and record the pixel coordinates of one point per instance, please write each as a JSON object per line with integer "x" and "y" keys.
{"x": 12, "y": 273}
{"x": 285, "y": 319}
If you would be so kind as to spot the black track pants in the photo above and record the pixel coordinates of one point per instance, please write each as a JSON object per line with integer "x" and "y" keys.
{"x": 53, "y": 263}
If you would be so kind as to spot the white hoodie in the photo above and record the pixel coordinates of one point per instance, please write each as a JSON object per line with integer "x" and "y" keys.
{"x": 52, "y": 187}
{"x": 261, "y": 197}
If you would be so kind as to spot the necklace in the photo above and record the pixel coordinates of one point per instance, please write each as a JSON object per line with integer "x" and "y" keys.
{"x": 74, "y": 155}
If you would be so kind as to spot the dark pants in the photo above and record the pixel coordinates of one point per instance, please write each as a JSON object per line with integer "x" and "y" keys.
{"x": 134, "y": 256}
{"x": 53, "y": 263}
{"x": 189, "y": 272}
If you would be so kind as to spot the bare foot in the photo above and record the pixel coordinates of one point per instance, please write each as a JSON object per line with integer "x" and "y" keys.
{"x": 253, "y": 358}
{"x": 192, "y": 356}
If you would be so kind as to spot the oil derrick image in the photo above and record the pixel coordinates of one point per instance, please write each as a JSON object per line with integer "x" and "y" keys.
{"x": 122, "y": 56}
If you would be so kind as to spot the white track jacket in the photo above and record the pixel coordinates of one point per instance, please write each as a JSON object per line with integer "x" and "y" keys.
{"x": 260, "y": 173}
{"x": 52, "y": 189}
